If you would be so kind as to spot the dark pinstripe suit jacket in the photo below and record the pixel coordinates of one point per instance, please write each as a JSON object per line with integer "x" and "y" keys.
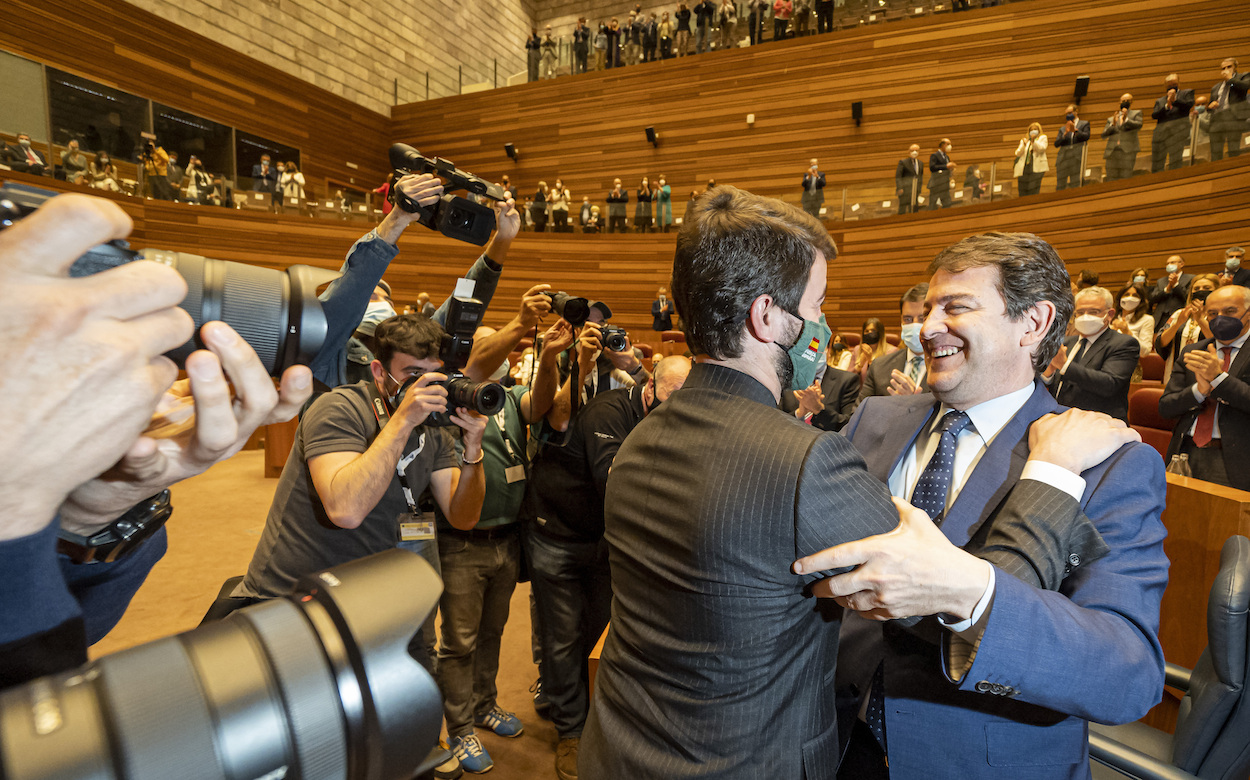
{"x": 717, "y": 663}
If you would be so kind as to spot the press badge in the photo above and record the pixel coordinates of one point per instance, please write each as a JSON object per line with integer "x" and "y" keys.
{"x": 514, "y": 473}
{"x": 413, "y": 529}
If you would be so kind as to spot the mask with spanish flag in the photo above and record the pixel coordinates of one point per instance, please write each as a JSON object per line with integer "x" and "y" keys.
{"x": 808, "y": 353}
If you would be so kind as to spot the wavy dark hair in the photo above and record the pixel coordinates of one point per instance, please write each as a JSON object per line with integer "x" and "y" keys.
{"x": 411, "y": 334}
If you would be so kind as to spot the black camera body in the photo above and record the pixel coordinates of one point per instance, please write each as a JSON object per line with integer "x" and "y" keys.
{"x": 453, "y": 216}
{"x": 573, "y": 310}
{"x": 464, "y": 315}
{"x": 276, "y": 312}
{"x": 613, "y": 338}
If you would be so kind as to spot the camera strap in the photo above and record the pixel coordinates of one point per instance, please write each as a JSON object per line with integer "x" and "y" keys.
{"x": 382, "y": 413}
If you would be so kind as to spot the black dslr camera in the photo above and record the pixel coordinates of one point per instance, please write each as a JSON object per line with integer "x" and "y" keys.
{"x": 453, "y": 216}
{"x": 613, "y": 338}
{"x": 573, "y": 310}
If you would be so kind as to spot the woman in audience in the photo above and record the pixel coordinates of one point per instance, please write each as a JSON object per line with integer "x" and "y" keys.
{"x": 559, "y": 199}
{"x": 642, "y": 212}
{"x": 663, "y": 205}
{"x": 839, "y": 355}
{"x": 549, "y": 56}
{"x": 385, "y": 193}
{"x": 101, "y": 173}
{"x": 601, "y": 47}
{"x": 683, "y": 29}
{"x": 782, "y": 11}
{"x": 292, "y": 182}
{"x": 199, "y": 183}
{"x": 665, "y": 31}
{"x": 1187, "y": 325}
{"x": 1031, "y": 162}
{"x": 1140, "y": 276}
{"x": 594, "y": 224}
{"x": 614, "y": 44}
{"x": 538, "y": 208}
{"x": 1133, "y": 318}
{"x": 872, "y": 345}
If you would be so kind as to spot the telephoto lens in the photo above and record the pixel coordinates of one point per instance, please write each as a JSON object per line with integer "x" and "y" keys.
{"x": 319, "y": 685}
{"x": 573, "y": 310}
{"x": 482, "y": 397}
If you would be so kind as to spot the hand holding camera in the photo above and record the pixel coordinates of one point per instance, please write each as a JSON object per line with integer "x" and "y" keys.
{"x": 535, "y": 306}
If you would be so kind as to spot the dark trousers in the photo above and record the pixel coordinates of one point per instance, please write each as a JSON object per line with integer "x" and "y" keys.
{"x": 648, "y": 52}
{"x": 779, "y": 28}
{"x": 642, "y": 224}
{"x": 616, "y": 225}
{"x": 1029, "y": 184}
{"x": 424, "y": 644}
{"x": 573, "y": 589}
{"x": 560, "y": 222}
{"x": 756, "y": 23}
{"x": 1226, "y": 131}
{"x": 1206, "y": 463}
{"x": 1068, "y": 168}
{"x": 812, "y": 201}
{"x": 666, "y": 48}
{"x": 1120, "y": 165}
{"x": 532, "y": 57}
{"x": 580, "y": 55}
{"x": 1168, "y": 144}
{"x": 824, "y": 16}
{"x": 907, "y": 201}
{"x": 864, "y": 759}
{"x": 940, "y": 198}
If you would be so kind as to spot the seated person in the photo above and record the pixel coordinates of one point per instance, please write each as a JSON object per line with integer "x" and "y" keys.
{"x": 23, "y": 157}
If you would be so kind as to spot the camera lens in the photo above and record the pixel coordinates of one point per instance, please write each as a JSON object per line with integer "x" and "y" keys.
{"x": 615, "y": 339}
{"x": 482, "y": 397}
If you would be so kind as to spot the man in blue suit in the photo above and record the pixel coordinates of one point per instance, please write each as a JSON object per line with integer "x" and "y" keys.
{"x": 1001, "y": 678}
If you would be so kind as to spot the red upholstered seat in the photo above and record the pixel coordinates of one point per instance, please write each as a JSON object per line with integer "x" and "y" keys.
{"x": 1143, "y": 415}
{"x": 850, "y": 339}
{"x": 647, "y": 349}
{"x": 1151, "y": 367}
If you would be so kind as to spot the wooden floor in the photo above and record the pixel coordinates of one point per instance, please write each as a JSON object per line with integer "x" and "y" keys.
{"x": 217, "y": 522}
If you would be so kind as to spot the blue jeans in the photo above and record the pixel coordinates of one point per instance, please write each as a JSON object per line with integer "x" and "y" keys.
{"x": 573, "y": 588}
{"x": 423, "y": 645}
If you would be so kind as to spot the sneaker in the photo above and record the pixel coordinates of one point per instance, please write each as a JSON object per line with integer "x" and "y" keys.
{"x": 542, "y": 705}
{"x": 500, "y": 721}
{"x": 472, "y": 756}
{"x": 566, "y": 758}
{"x": 449, "y": 769}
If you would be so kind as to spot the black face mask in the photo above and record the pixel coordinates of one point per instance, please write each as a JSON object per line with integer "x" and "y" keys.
{"x": 1069, "y": 116}
{"x": 1201, "y": 295}
{"x": 871, "y": 338}
{"x": 1125, "y": 103}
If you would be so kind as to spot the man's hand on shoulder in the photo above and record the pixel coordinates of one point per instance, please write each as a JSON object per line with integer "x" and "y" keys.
{"x": 1078, "y": 440}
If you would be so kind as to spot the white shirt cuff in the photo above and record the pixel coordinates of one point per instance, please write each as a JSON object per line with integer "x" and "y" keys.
{"x": 1199, "y": 396}
{"x": 1056, "y": 476}
{"x": 971, "y": 628}
{"x": 1214, "y": 382}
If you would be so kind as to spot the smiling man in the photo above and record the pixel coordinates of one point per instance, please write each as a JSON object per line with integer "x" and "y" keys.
{"x": 1001, "y": 674}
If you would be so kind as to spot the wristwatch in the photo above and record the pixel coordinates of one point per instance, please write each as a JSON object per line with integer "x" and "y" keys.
{"x": 120, "y": 537}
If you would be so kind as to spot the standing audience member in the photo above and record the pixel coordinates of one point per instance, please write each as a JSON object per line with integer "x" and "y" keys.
{"x": 704, "y": 12}
{"x": 383, "y": 192}
{"x": 901, "y": 372}
{"x": 757, "y": 10}
{"x": 782, "y": 11}
{"x": 650, "y": 38}
{"x": 973, "y": 183}
{"x": 666, "y": 37}
{"x": 176, "y": 173}
{"x": 74, "y": 163}
{"x": 614, "y": 43}
{"x": 1235, "y": 271}
{"x": 642, "y": 212}
{"x": 1170, "y": 133}
{"x": 663, "y": 205}
{"x": 264, "y": 177}
{"x": 1069, "y": 168}
{"x": 1094, "y": 367}
{"x": 1229, "y": 109}
{"x": 908, "y": 178}
{"x": 584, "y": 216}
{"x": 601, "y": 47}
{"x": 1171, "y": 291}
{"x": 940, "y": 170}
{"x": 1031, "y": 162}
{"x": 617, "y": 200}
{"x": 813, "y": 189}
{"x": 728, "y": 21}
{"x": 510, "y": 188}
{"x": 1185, "y": 326}
{"x": 559, "y": 200}
{"x": 872, "y": 345}
{"x": 1209, "y": 393}
{"x": 824, "y": 16}
{"x": 425, "y": 307}
{"x": 538, "y": 208}
{"x": 1140, "y": 276}
{"x": 23, "y": 157}
{"x": 199, "y": 183}
{"x": 549, "y": 55}
{"x": 1121, "y": 133}
{"x": 581, "y": 45}
{"x": 802, "y": 17}
{"x": 683, "y": 30}
{"x": 1133, "y": 316}
{"x": 632, "y": 36}
{"x": 533, "y": 54}
{"x": 292, "y": 182}
{"x": 662, "y": 311}
{"x": 156, "y": 172}
{"x": 694, "y": 196}
{"x": 1200, "y": 130}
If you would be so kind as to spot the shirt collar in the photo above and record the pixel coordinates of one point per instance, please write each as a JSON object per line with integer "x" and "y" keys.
{"x": 1236, "y": 343}
{"x": 989, "y": 417}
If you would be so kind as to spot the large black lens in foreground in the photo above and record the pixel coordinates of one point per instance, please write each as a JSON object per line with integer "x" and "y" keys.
{"x": 316, "y": 686}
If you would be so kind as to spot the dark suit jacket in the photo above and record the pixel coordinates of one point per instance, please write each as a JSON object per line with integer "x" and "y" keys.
{"x": 1166, "y": 301}
{"x": 1241, "y": 277}
{"x": 907, "y": 171}
{"x": 1047, "y": 661}
{"x": 941, "y": 177}
{"x": 1099, "y": 379}
{"x": 1069, "y": 143}
{"x": 820, "y": 182}
{"x": 841, "y": 389}
{"x": 877, "y": 381}
{"x": 1124, "y": 136}
{"x": 1237, "y": 89}
{"x": 717, "y": 663}
{"x": 15, "y": 157}
{"x": 266, "y": 183}
{"x": 1233, "y": 394}
{"x": 662, "y": 319}
{"x": 1179, "y": 110}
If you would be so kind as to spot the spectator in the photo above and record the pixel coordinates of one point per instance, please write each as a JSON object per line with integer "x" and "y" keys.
{"x": 940, "y": 170}
{"x": 1093, "y": 368}
{"x": 1121, "y": 131}
{"x": 662, "y": 311}
{"x": 838, "y": 355}
{"x": 824, "y": 16}
{"x": 758, "y": 9}
{"x": 264, "y": 177}
{"x": 1172, "y": 291}
{"x": 617, "y": 200}
{"x": 666, "y": 37}
{"x": 584, "y": 216}
{"x": 872, "y": 345}
{"x": 727, "y": 18}
{"x": 782, "y": 11}
{"x": 1140, "y": 276}
{"x": 829, "y": 403}
{"x": 559, "y": 200}
{"x": 594, "y": 224}
{"x": 614, "y": 44}
{"x": 509, "y": 187}
{"x": 683, "y": 30}
{"x": 102, "y": 174}
{"x": 533, "y": 54}
{"x": 908, "y": 177}
{"x": 23, "y": 157}
{"x": 199, "y": 183}
{"x": 156, "y": 171}
{"x": 424, "y": 307}
{"x": 581, "y": 45}
{"x": 292, "y": 182}
{"x": 1170, "y": 133}
{"x": 384, "y": 192}
{"x": 549, "y": 55}
{"x": 1234, "y": 272}
{"x": 632, "y": 38}
{"x": 1133, "y": 316}
{"x": 175, "y": 173}
{"x": 1069, "y": 167}
{"x": 74, "y": 163}
{"x": 642, "y": 212}
{"x": 901, "y": 372}
{"x": 650, "y": 38}
{"x": 1230, "y": 111}
{"x": 973, "y": 183}
{"x": 1185, "y": 326}
{"x": 664, "y": 205}
{"x": 538, "y": 207}
{"x": 802, "y": 17}
{"x": 813, "y": 189}
{"x": 601, "y": 47}
{"x": 1031, "y": 163}
{"x": 1200, "y": 130}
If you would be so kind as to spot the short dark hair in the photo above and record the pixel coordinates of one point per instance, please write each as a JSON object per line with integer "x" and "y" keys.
{"x": 1029, "y": 272}
{"x": 735, "y": 247}
{"x": 916, "y": 294}
{"x": 411, "y": 334}
{"x": 1088, "y": 278}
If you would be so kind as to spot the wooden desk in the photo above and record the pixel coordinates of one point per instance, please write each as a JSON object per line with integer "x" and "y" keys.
{"x": 279, "y": 438}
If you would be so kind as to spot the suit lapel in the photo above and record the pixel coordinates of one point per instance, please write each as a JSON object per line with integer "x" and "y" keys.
{"x": 1240, "y": 362}
{"x": 900, "y": 431}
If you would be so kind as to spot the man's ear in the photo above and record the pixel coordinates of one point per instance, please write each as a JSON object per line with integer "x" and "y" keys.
{"x": 1037, "y": 321}
{"x": 379, "y": 373}
{"x": 762, "y": 319}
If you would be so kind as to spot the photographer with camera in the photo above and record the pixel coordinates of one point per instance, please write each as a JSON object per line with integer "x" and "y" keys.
{"x": 604, "y": 360}
{"x": 73, "y": 447}
{"x": 155, "y": 164}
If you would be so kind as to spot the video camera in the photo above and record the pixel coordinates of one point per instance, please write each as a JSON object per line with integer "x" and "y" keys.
{"x": 452, "y": 215}
{"x": 276, "y": 312}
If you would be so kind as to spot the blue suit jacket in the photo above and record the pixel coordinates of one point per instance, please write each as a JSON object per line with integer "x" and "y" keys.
{"x": 1048, "y": 661}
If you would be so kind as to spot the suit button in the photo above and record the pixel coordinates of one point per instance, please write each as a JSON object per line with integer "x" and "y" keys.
{"x": 1074, "y": 559}
{"x": 983, "y": 687}
{"x": 997, "y": 689}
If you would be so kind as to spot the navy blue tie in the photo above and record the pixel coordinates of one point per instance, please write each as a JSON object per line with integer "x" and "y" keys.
{"x": 935, "y": 481}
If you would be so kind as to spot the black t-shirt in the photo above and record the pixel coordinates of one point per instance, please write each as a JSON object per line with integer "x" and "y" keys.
{"x": 299, "y": 538}
{"x": 567, "y": 483}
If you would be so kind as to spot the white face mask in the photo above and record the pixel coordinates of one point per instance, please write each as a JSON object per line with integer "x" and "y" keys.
{"x": 1172, "y": 268}
{"x": 1032, "y": 134}
{"x": 914, "y": 155}
{"x": 911, "y": 337}
{"x": 1232, "y": 263}
{"x": 1088, "y": 324}
{"x": 25, "y": 143}
{"x": 1129, "y": 304}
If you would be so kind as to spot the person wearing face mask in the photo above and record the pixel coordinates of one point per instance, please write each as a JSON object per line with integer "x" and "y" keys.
{"x": 901, "y": 372}
{"x": 199, "y": 183}
{"x": 940, "y": 169}
{"x": 1133, "y": 317}
{"x": 642, "y": 212}
{"x": 23, "y": 157}
{"x": 1094, "y": 367}
{"x": 813, "y": 189}
{"x": 708, "y": 499}
{"x": 1171, "y": 292}
{"x": 1187, "y": 325}
{"x": 908, "y": 176}
{"x": 1200, "y": 130}
{"x": 1071, "y": 141}
{"x": 664, "y": 205}
{"x": 872, "y": 345}
{"x": 1121, "y": 131}
{"x": 1235, "y": 271}
{"x": 1170, "y": 133}
{"x": 1209, "y": 394}
{"x": 662, "y": 311}
{"x": 1230, "y": 111}
{"x": 1140, "y": 276}
{"x": 101, "y": 174}
{"x": 618, "y": 202}
{"x": 74, "y": 163}
{"x": 1031, "y": 162}
{"x": 264, "y": 175}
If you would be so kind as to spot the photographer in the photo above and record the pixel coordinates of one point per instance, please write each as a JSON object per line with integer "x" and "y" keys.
{"x": 598, "y": 370}
{"x": 155, "y": 161}
{"x": 76, "y": 449}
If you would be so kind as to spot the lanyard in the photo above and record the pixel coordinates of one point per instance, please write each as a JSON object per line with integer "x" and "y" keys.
{"x": 501, "y": 420}
{"x": 382, "y": 412}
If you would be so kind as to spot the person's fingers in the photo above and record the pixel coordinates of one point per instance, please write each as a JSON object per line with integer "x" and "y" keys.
{"x": 536, "y": 289}
{"x": 294, "y": 391}
{"x": 430, "y": 377}
{"x": 49, "y": 241}
{"x": 216, "y": 427}
{"x": 253, "y": 388}
{"x": 133, "y": 290}
{"x": 849, "y": 554}
{"x": 153, "y": 334}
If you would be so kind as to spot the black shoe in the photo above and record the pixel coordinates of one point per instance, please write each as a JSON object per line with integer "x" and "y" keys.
{"x": 542, "y": 705}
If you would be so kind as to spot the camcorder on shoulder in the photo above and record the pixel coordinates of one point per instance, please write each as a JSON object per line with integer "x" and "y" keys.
{"x": 276, "y": 312}
{"x": 452, "y": 215}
